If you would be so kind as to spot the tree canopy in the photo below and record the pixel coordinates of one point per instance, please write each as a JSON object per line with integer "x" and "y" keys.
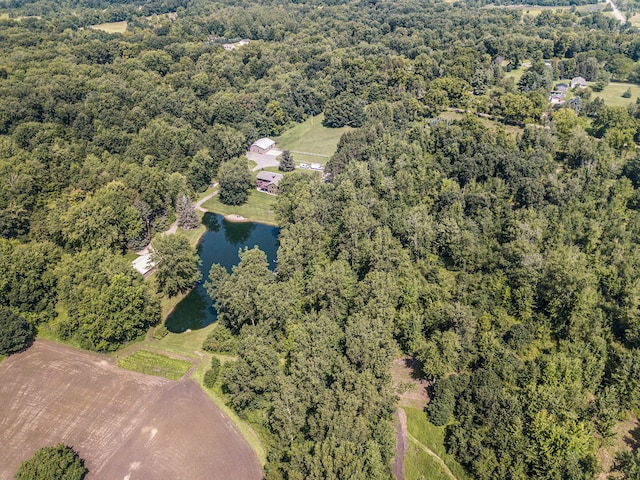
{"x": 53, "y": 463}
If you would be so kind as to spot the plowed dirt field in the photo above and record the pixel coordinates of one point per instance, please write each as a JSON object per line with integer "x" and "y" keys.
{"x": 126, "y": 425}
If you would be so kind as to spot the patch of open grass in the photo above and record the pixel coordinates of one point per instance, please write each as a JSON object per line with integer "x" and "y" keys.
{"x": 491, "y": 124}
{"x": 420, "y": 466}
{"x": 111, "y": 27}
{"x": 612, "y": 94}
{"x": 433, "y": 438}
{"x": 311, "y": 137}
{"x": 151, "y": 363}
{"x": 258, "y": 208}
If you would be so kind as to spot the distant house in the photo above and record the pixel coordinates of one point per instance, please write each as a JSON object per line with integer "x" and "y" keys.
{"x": 561, "y": 87}
{"x": 231, "y": 46}
{"x": 262, "y": 146}
{"x": 556, "y": 97}
{"x": 268, "y": 182}
{"x": 578, "y": 82}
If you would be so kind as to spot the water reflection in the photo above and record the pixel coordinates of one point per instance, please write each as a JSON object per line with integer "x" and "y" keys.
{"x": 219, "y": 244}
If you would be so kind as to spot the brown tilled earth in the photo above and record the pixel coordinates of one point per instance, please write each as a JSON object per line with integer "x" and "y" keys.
{"x": 126, "y": 425}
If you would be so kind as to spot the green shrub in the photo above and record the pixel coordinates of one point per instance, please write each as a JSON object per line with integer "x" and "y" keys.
{"x": 215, "y": 364}
{"x": 210, "y": 377}
{"x": 627, "y": 93}
{"x": 15, "y": 332}
{"x": 160, "y": 332}
{"x": 220, "y": 340}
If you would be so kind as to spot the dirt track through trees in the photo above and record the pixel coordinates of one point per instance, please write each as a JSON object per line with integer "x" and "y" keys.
{"x": 124, "y": 424}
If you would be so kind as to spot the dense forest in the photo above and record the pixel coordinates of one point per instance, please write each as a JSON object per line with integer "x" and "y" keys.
{"x": 508, "y": 264}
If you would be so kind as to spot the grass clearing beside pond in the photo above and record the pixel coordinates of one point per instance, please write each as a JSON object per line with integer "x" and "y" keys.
{"x": 433, "y": 438}
{"x": 151, "y": 363}
{"x": 612, "y": 94}
{"x": 258, "y": 208}
{"x": 111, "y": 27}
{"x": 311, "y": 137}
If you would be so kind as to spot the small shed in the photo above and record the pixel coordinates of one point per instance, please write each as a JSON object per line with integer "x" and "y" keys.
{"x": 578, "y": 82}
{"x": 262, "y": 146}
{"x": 268, "y": 182}
{"x": 143, "y": 264}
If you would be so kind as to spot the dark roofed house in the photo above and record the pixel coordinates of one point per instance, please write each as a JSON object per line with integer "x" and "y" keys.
{"x": 268, "y": 182}
{"x": 562, "y": 87}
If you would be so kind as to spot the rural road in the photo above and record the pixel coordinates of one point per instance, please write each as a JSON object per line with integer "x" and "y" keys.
{"x": 616, "y": 13}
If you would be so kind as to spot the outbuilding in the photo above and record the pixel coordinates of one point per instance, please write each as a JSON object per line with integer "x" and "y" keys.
{"x": 578, "y": 82}
{"x": 262, "y": 146}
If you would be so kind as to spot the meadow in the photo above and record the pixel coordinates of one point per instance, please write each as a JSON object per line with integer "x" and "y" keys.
{"x": 111, "y": 27}
{"x": 314, "y": 139}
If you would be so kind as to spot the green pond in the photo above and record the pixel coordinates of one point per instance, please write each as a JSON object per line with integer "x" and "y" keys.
{"x": 220, "y": 244}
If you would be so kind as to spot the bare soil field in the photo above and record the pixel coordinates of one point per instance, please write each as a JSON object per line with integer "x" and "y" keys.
{"x": 412, "y": 388}
{"x": 125, "y": 425}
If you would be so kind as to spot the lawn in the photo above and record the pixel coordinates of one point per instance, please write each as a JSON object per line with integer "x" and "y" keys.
{"x": 259, "y": 207}
{"x": 111, "y": 27}
{"x": 420, "y": 466}
{"x": 151, "y": 363}
{"x": 612, "y": 94}
{"x": 311, "y": 137}
{"x": 433, "y": 438}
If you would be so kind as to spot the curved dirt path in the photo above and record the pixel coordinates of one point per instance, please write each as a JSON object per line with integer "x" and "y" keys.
{"x": 174, "y": 226}
{"x": 617, "y": 13}
{"x": 432, "y": 454}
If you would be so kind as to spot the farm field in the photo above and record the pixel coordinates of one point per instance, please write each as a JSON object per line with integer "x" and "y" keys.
{"x": 111, "y": 27}
{"x": 311, "y": 137}
{"x": 124, "y": 424}
{"x": 612, "y": 94}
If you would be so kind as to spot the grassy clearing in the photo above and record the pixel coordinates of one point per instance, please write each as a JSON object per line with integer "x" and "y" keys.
{"x": 311, "y": 137}
{"x": 491, "y": 124}
{"x": 111, "y": 27}
{"x": 420, "y": 466}
{"x": 433, "y": 438}
{"x": 259, "y": 207}
{"x": 612, "y": 94}
{"x": 4, "y": 16}
{"x": 151, "y": 363}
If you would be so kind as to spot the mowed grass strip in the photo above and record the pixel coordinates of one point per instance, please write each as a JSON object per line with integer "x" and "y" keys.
{"x": 151, "y": 363}
{"x": 433, "y": 438}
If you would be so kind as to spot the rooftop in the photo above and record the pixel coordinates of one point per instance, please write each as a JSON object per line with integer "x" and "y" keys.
{"x": 264, "y": 143}
{"x": 269, "y": 177}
